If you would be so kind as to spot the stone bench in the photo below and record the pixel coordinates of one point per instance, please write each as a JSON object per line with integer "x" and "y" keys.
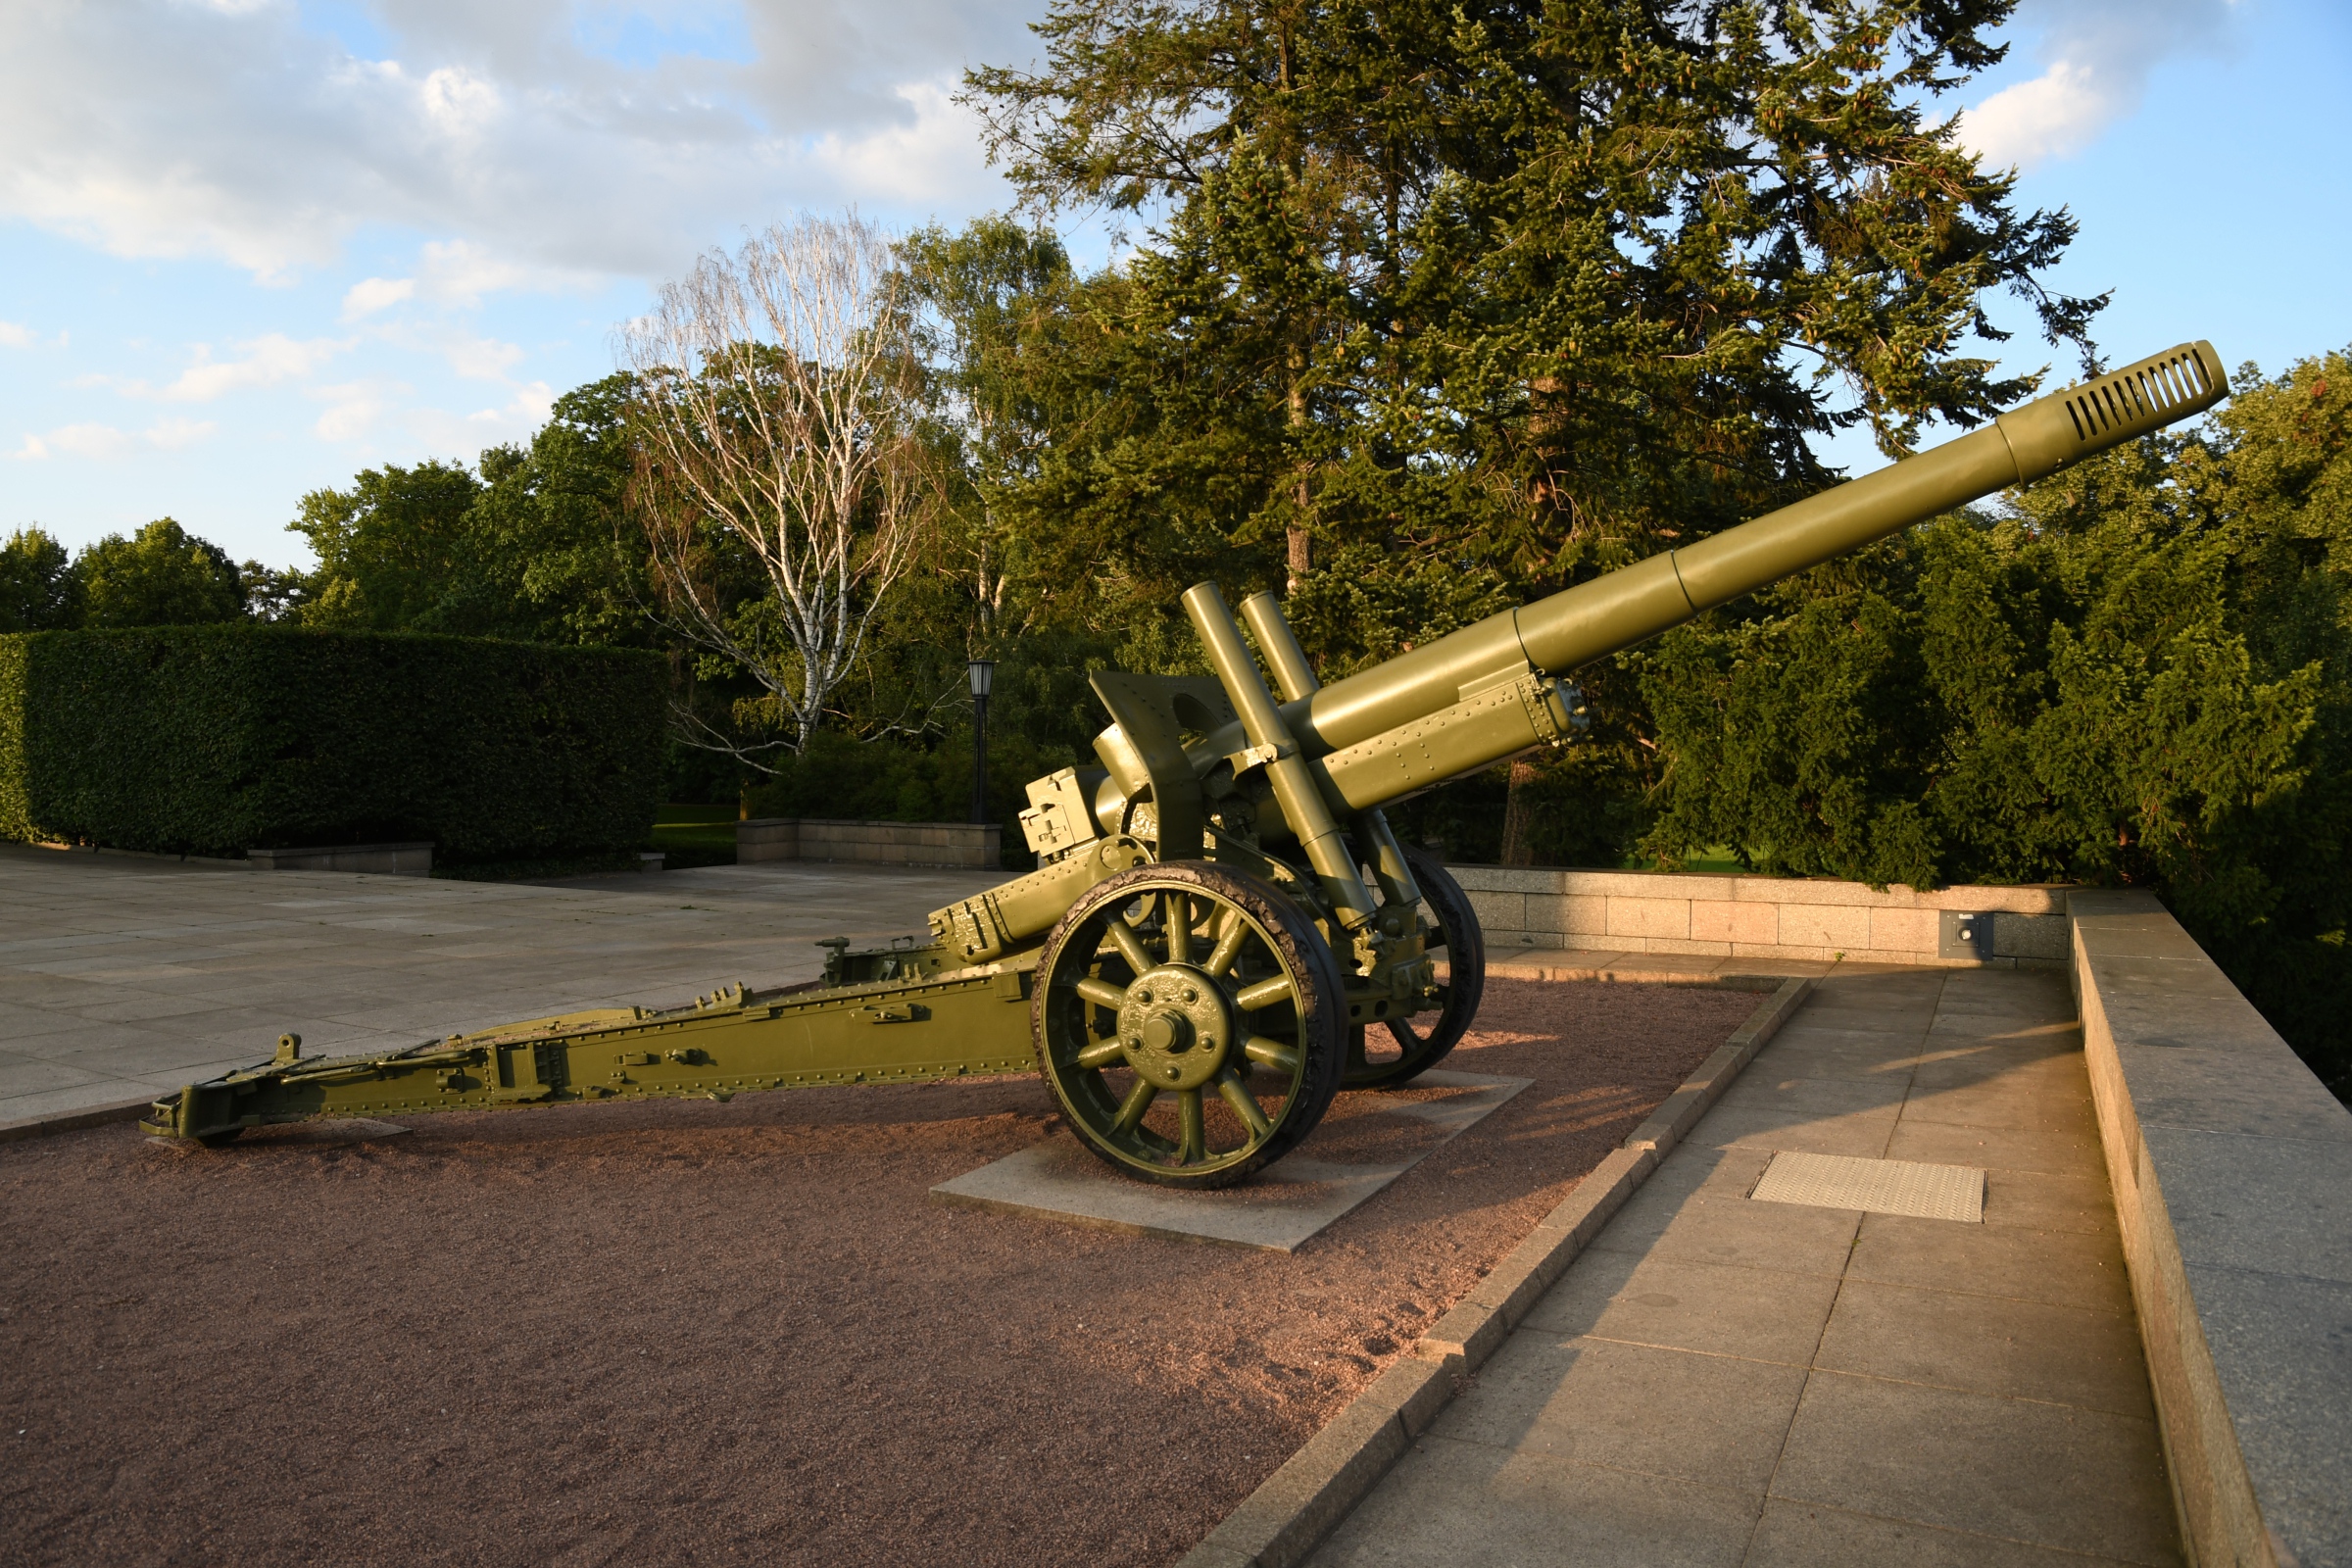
{"x": 383, "y": 859}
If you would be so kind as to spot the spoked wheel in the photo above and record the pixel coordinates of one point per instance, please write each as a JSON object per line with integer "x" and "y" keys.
{"x": 1417, "y": 1043}
{"x": 1191, "y": 1021}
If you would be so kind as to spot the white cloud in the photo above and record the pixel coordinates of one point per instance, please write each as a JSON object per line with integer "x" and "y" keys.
{"x": 2099, "y": 55}
{"x": 936, "y": 157}
{"x": 234, "y": 130}
{"x": 479, "y": 358}
{"x": 79, "y": 441}
{"x": 368, "y": 415}
{"x": 459, "y": 104}
{"x": 373, "y": 294}
{"x": 16, "y": 337}
{"x": 2061, "y": 111}
{"x": 466, "y": 353}
{"x": 354, "y": 410}
{"x": 173, "y": 433}
{"x": 273, "y": 358}
{"x": 517, "y": 417}
{"x": 104, "y": 443}
{"x": 264, "y": 362}
{"x": 458, "y": 271}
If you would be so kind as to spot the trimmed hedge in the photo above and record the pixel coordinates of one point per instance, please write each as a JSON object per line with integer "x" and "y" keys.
{"x": 212, "y": 740}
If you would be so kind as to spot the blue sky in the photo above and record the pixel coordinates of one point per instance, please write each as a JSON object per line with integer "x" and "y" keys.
{"x": 248, "y": 247}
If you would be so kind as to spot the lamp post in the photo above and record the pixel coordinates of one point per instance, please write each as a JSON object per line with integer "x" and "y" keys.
{"x": 983, "y": 672}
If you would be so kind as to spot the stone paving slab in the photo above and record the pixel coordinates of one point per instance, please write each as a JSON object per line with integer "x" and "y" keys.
{"x": 1280, "y": 1210}
{"x": 1722, "y": 1380}
{"x": 122, "y": 976}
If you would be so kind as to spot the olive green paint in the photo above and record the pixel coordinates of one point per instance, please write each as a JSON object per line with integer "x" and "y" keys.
{"x": 1193, "y": 982}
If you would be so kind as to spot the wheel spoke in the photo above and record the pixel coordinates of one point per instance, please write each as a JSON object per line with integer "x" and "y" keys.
{"x": 1229, "y": 944}
{"x": 1194, "y": 1148}
{"x": 1103, "y": 993}
{"x": 1264, "y": 993}
{"x": 1406, "y": 1036}
{"x": 1270, "y": 1054}
{"x": 1107, "y": 1054}
{"x": 1230, "y": 1086}
{"x": 1131, "y": 946}
{"x": 1179, "y": 924}
{"x": 1131, "y": 1109}
{"x": 1356, "y": 1050}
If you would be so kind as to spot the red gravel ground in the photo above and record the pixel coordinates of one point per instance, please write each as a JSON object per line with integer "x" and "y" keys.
{"x": 690, "y": 1333}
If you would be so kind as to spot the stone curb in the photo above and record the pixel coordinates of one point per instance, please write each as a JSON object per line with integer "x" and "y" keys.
{"x": 1680, "y": 1111}
{"x": 216, "y": 862}
{"x": 70, "y": 1121}
{"x": 1283, "y": 1521}
{"x": 1606, "y": 974}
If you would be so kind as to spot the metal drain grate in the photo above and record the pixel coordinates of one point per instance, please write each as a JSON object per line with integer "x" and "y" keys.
{"x": 1875, "y": 1185}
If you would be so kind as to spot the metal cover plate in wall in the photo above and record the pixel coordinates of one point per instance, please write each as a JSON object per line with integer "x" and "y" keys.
{"x": 1961, "y": 934}
{"x": 1875, "y": 1185}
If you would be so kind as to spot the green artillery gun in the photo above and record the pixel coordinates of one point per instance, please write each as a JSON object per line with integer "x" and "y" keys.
{"x": 1221, "y": 917}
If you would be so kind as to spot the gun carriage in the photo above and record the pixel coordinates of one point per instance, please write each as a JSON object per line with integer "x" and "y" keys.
{"x": 1222, "y": 931}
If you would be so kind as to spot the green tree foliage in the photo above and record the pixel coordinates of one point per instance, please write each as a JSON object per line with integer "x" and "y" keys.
{"x": 391, "y": 549}
{"x": 275, "y": 594}
{"x": 2140, "y": 673}
{"x": 532, "y": 550}
{"x": 1041, "y": 715}
{"x": 1531, "y": 288}
{"x": 38, "y": 589}
{"x": 160, "y": 576}
{"x": 551, "y": 557}
{"x": 988, "y": 302}
{"x": 1442, "y": 307}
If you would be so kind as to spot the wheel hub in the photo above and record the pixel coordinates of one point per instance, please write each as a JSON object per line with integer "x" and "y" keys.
{"x": 1175, "y": 1027}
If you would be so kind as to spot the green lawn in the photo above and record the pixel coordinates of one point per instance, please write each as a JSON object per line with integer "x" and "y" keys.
{"x": 1718, "y": 858}
{"x": 694, "y": 834}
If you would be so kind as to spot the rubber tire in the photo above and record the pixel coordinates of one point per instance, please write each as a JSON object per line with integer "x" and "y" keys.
{"x": 1322, "y": 1011}
{"x": 1465, "y": 944}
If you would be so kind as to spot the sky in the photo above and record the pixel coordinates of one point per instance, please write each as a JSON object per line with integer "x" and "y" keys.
{"x": 249, "y": 247}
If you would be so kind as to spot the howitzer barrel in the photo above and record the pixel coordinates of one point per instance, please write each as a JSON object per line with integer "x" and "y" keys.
{"x": 1447, "y": 708}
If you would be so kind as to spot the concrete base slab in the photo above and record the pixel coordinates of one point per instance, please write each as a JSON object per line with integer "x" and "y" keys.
{"x": 1280, "y": 1210}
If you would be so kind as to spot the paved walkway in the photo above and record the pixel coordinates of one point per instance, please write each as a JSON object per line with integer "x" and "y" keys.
{"x": 122, "y": 976}
{"x": 1722, "y": 1380}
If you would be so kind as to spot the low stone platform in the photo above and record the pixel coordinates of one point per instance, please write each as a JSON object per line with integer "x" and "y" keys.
{"x": 1280, "y": 1210}
{"x": 1785, "y": 920}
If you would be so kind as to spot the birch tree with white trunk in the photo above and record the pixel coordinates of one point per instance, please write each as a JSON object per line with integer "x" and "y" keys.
{"x": 778, "y": 399}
